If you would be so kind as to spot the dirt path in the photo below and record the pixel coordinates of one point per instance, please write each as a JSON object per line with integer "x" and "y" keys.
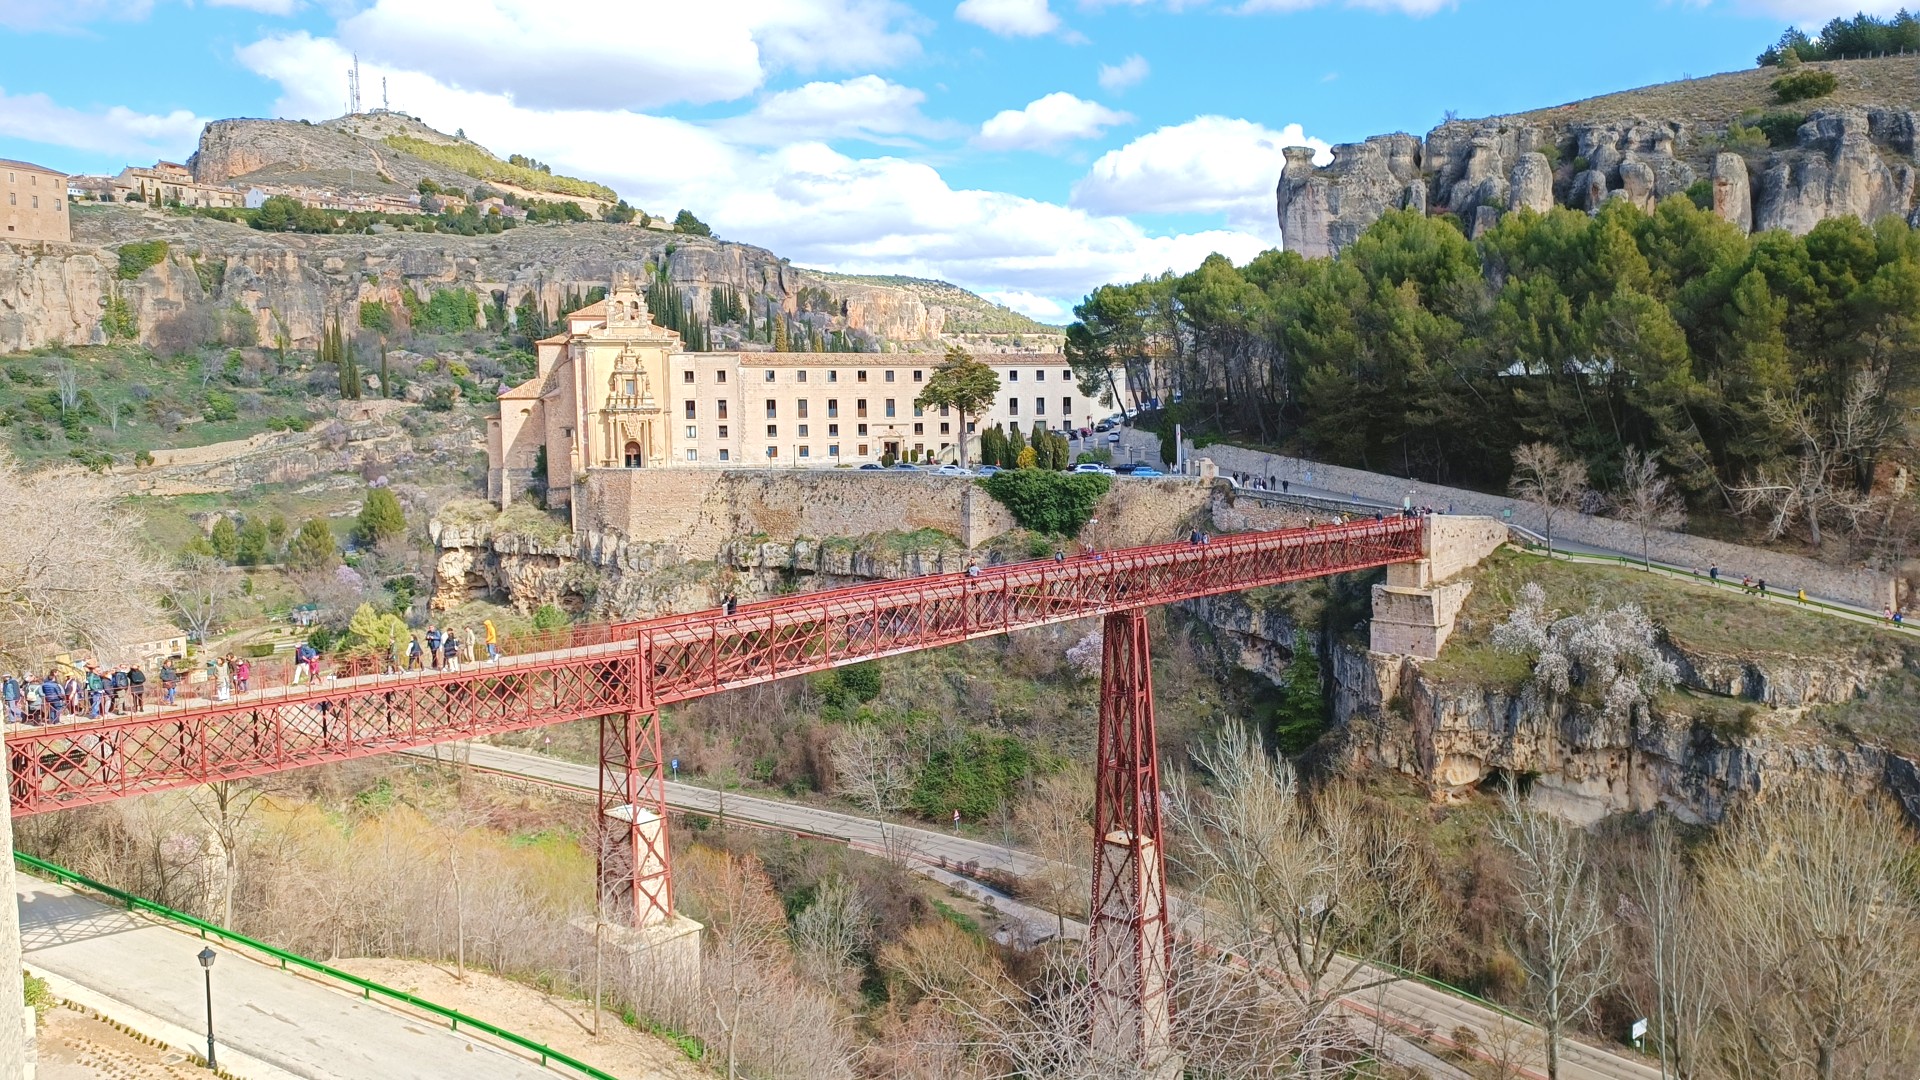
{"x": 76, "y": 1045}
{"x": 561, "y": 1023}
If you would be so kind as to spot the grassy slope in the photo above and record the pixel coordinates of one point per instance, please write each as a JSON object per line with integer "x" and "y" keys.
{"x": 474, "y": 160}
{"x": 1892, "y": 81}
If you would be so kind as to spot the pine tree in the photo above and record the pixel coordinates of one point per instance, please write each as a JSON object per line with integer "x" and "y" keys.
{"x": 780, "y": 335}
{"x": 381, "y": 518}
{"x": 1016, "y": 442}
{"x": 386, "y": 387}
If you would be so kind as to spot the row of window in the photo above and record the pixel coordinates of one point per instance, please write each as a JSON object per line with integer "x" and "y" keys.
{"x": 13, "y": 199}
{"x": 804, "y": 430}
{"x": 888, "y": 408}
{"x": 805, "y": 453}
{"x": 860, "y": 375}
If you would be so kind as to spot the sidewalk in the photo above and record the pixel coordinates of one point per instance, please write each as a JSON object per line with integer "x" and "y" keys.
{"x": 270, "y": 1024}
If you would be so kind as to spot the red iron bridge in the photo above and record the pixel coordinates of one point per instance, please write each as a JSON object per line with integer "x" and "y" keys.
{"x": 624, "y": 672}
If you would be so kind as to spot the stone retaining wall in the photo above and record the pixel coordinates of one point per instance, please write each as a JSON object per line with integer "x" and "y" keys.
{"x": 1870, "y": 589}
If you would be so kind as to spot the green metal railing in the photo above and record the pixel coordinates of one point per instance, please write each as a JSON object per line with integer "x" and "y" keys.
{"x": 367, "y": 987}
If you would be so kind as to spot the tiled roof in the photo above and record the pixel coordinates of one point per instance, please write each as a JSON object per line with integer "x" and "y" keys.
{"x": 9, "y": 163}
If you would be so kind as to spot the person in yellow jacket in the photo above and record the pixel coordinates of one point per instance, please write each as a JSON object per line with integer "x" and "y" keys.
{"x": 493, "y": 640}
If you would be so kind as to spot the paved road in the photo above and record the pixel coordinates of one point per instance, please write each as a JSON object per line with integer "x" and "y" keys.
{"x": 1405, "y": 1005}
{"x": 271, "y": 1024}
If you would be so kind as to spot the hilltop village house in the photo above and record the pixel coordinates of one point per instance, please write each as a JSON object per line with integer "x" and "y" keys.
{"x": 615, "y": 391}
{"x": 34, "y": 203}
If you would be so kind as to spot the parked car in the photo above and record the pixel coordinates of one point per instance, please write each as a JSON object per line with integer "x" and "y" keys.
{"x": 1093, "y": 467}
{"x": 873, "y": 465}
{"x": 986, "y": 470}
{"x": 1128, "y": 469}
{"x": 953, "y": 470}
{"x": 907, "y": 466}
{"x": 1113, "y": 436}
{"x": 1147, "y": 472}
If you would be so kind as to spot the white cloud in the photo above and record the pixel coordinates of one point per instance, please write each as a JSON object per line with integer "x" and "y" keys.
{"x": 867, "y": 107}
{"x": 1117, "y": 77}
{"x": 640, "y": 54}
{"x": 117, "y": 130}
{"x": 67, "y": 14}
{"x": 804, "y": 200}
{"x": 1210, "y": 164}
{"x": 1009, "y": 18}
{"x": 1047, "y": 122}
{"x": 1032, "y": 305}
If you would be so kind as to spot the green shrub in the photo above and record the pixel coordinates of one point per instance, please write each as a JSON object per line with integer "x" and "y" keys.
{"x": 975, "y": 777}
{"x": 1700, "y": 194}
{"x": 549, "y": 617}
{"x": 38, "y": 995}
{"x": 219, "y": 406}
{"x": 118, "y": 319}
{"x": 322, "y": 638}
{"x": 1048, "y": 502}
{"x": 1804, "y": 84}
{"x": 138, "y": 258}
{"x": 375, "y": 315}
{"x": 1782, "y": 129}
{"x": 264, "y": 649}
{"x": 449, "y": 311}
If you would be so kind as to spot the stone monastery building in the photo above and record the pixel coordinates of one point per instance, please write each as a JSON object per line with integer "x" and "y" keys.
{"x": 616, "y": 391}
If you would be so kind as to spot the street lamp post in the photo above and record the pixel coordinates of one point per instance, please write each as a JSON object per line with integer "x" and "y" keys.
{"x": 206, "y": 963}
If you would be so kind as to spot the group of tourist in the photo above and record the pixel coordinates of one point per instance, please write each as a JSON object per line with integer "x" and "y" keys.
{"x": 444, "y": 649}
{"x": 89, "y": 691}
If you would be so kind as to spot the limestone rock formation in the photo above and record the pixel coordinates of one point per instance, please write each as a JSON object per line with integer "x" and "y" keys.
{"x": 1852, "y": 161}
{"x": 1324, "y": 209}
{"x": 1732, "y": 190}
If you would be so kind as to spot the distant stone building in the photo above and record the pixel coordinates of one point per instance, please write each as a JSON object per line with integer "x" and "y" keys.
{"x": 169, "y": 183}
{"x": 33, "y": 203}
{"x": 616, "y": 391}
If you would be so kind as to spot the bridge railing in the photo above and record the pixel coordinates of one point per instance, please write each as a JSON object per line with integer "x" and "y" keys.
{"x": 369, "y": 989}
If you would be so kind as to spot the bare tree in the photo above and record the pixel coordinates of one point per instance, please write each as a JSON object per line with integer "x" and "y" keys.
{"x": 201, "y": 592}
{"x": 1554, "y": 482}
{"x": 1646, "y": 500}
{"x": 1824, "y": 482}
{"x": 97, "y": 594}
{"x": 1307, "y": 885}
{"x": 1663, "y": 911}
{"x": 1056, "y": 817}
{"x": 66, "y": 384}
{"x": 832, "y": 932}
{"x": 1566, "y": 939}
{"x": 224, "y": 806}
{"x": 870, "y": 767}
{"x": 1814, "y": 932}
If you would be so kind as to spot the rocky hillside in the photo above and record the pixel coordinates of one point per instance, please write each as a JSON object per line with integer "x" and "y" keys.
{"x": 289, "y": 282}
{"x": 1722, "y": 140}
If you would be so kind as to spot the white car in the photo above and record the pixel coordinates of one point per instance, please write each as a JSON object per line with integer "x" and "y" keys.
{"x": 952, "y": 470}
{"x": 1113, "y": 436}
{"x": 1093, "y": 467}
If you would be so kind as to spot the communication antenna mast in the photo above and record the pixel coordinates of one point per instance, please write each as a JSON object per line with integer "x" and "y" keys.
{"x": 353, "y": 87}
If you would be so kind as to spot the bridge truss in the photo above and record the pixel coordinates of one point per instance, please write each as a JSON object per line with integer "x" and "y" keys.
{"x": 624, "y": 673}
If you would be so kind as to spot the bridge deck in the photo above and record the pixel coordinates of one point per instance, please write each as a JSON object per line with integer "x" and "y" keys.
{"x": 632, "y": 667}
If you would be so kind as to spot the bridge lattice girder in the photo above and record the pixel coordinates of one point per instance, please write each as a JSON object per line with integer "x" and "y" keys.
{"x": 596, "y": 671}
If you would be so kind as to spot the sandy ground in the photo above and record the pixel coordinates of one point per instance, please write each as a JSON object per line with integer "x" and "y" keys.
{"x": 562, "y": 1023}
{"x": 76, "y": 1046}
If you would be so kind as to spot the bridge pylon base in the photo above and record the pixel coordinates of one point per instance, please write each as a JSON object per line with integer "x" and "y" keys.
{"x": 658, "y": 963}
{"x": 1128, "y": 943}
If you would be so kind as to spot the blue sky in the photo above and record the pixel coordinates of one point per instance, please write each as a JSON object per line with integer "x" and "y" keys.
{"x": 1028, "y": 149}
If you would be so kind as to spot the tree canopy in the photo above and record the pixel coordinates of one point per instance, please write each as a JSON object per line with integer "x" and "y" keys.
{"x": 963, "y": 384}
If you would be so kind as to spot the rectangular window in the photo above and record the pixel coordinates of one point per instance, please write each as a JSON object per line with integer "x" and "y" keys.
{"x": 691, "y": 413}
{"x": 860, "y": 407}
{"x": 1013, "y": 406}
{"x": 769, "y": 379}
{"x": 943, "y": 410}
{"x": 889, "y": 406}
{"x": 833, "y": 450}
{"x": 1013, "y": 376}
{"x": 919, "y": 429}
{"x": 720, "y": 376}
{"x": 772, "y": 452}
{"x": 832, "y": 375}
{"x": 1066, "y": 406}
{"x": 725, "y": 456}
{"x": 721, "y": 406}
{"x": 692, "y": 454}
{"x": 916, "y": 375}
{"x": 833, "y": 407}
{"x": 806, "y": 451}
{"x": 889, "y": 374}
{"x": 693, "y": 432}
{"x": 803, "y": 431}
{"x": 801, "y": 406}
{"x": 863, "y": 449}
{"x": 773, "y": 431}
{"x": 833, "y": 431}
{"x": 36, "y": 206}
{"x": 862, "y": 432}
{"x": 945, "y": 429}
{"x": 1039, "y": 406}
{"x": 687, "y": 375}
{"x": 800, "y": 376}
{"x": 723, "y": 431}
{"x": 860, "y": 376}
{"x": 918, "y": 411}
{"x": 773, "y": 409}
{"x": 1039, "y": 376}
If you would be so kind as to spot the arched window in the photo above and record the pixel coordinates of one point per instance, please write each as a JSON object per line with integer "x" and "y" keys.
{"x": 634, "y": 458}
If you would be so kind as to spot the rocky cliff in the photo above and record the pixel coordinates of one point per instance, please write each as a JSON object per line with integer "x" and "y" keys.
{"x": 1784, "y": 168}
{"x": 53, "y": 294}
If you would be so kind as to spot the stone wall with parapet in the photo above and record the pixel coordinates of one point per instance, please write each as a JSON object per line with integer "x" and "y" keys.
{"x": 699, "y": 511}
{"x": 1870, "y": 589}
